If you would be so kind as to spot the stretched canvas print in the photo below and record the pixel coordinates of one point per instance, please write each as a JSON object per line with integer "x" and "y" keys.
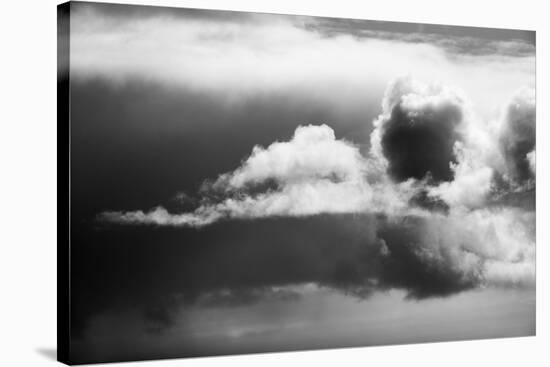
{"x": 235, "y": 182}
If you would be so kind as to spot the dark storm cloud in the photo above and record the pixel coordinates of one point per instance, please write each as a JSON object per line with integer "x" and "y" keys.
{"x": 419, "y": 144}
{"x": 157, "y": 271}
{"x": 423, "y": 270}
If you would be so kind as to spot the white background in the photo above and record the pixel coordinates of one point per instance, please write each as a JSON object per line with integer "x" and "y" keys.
{"x": 28, "y": 182}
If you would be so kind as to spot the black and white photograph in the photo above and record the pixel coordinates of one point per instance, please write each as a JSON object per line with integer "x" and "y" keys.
{"x": 245, "y": 182}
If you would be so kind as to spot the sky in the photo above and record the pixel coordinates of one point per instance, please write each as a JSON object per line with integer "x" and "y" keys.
{"x": 248, "y": 182}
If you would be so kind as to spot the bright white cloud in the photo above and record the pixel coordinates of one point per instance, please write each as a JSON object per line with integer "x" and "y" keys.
{"x": 313, "y": 153}
{"x": 161, "y": 217}
{"x": 497, "y": 246}
{"x": 531, "y": 157}
{"x": 314, "y": 173}
{"x": 472, "y": 183}
{"x": 303, "y": 199}
{"x": 277, "y": 54}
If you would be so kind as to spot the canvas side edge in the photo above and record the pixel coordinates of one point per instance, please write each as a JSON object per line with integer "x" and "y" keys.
{"x": 63, "y": 183}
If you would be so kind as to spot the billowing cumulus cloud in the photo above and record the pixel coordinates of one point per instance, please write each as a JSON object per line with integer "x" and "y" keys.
{"x": 517, "y": 137}
{"x": 310, "y": 174}
{"x": 418, "y": 129}
{"x": 313, "y": 153}
{"x": 486, "y": 160}
{"x": 473, "y": 180}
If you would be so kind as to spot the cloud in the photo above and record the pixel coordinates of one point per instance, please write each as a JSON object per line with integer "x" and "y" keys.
{"x": 160, "y": 216}
{"x": 472, "y": 182}
{"x": 517, "y": 137}
{"x": 417, "y": 130}
{"x": 429, "y": 153}
{"x": 455, "y": 40}
{"x": 480, "y": 161}
{"x": 532, "y": 162}
{"x": 235, "y": 262}
{"x": 313, "y": 153}
{"x": 444, "y": 254}
{"x": 312, "y": 173}
{"x": 244, "y": 56}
